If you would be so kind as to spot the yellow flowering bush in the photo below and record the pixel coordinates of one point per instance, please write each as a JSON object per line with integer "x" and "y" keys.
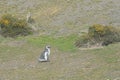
{"x": 12, "y": 26}
{"x": 99, "y": 34}
{"x": 5, "y": 22}
{"x": 97, "y": 30}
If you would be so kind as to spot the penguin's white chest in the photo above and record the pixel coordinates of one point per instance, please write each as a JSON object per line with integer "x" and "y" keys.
{"x": 48, "y": 51}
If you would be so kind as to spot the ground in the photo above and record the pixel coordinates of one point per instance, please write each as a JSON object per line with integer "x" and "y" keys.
{"x": 64, "y": 17}
{"x": 57, "y": 19}
{"x": 19, "y": 61}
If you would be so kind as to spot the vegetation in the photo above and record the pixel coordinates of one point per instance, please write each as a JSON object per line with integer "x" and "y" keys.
{"x": 18, "y": 58}
{"x": 59, "y": 19}
{"x": 62, "y": 43}
{"x": 12, "y": 26}
{"x": 99, "y": 35}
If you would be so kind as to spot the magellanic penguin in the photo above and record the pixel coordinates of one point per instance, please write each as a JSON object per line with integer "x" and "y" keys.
{"x": 44, "y": 57}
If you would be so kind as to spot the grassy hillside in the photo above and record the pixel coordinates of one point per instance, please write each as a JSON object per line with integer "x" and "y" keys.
{"x": 19, "y": 60}
{"x": 55, "y": 19}
{"x": 60, "y": 17}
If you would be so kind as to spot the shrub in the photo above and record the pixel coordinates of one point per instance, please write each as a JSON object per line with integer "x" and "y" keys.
{"x": 82, "y": 40}
{"x": 12, "y": 26}
{"x": 99, "y": 34}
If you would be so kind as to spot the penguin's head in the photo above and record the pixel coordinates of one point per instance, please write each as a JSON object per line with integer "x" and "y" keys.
{"x": 48, "y": 47}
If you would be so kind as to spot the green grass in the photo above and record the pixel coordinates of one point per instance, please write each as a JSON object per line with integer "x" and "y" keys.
{"x": 67, "y": 62}
{"x": 62, "y": 43}
{"x": 20, "y": 62}
{"x": 109, "y": 53}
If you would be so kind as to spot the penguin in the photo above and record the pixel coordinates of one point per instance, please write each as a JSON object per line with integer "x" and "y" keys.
{"x": 44, "y": 57}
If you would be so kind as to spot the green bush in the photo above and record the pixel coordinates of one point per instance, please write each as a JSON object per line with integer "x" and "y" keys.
{"x": 99, "y": 34}
{"x": 12, "y": 26}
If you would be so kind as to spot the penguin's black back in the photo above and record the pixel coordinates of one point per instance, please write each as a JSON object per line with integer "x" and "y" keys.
{"x": 42, "y": 56}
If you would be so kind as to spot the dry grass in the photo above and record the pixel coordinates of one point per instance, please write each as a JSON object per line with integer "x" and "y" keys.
{"x": 59, "y": 17}
{"x": 19, "y": 57}
{"x": 21, "y": 62}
